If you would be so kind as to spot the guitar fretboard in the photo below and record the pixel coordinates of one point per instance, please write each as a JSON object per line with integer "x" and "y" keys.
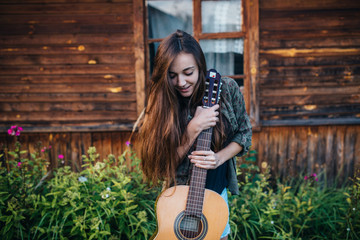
{"x": 195, "y": 198}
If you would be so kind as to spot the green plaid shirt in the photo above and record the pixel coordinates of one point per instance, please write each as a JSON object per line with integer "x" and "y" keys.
{"x": 233, "y": 109}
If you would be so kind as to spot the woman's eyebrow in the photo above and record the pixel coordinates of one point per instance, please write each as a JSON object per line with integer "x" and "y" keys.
{"x": 189, "y": 68}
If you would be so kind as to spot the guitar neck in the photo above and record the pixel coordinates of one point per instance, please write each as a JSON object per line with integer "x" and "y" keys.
{"x": 195, "y": 198}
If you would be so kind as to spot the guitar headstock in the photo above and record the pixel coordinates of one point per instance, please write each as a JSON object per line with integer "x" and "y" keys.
{"x": 213, "y": 88}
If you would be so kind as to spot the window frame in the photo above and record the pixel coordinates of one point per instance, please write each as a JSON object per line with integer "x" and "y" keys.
{"x": 249, "y": 32}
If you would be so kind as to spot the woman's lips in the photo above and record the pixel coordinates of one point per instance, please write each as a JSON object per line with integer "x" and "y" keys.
{"x": 185, "y": 89}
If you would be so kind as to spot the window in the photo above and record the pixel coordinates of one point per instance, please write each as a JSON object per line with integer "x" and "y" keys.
{"x": 227, "y": 30}
{"x": 217, "y": 25}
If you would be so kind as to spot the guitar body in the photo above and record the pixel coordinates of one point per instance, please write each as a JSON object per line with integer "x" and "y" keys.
{"x": 170, "y": 208}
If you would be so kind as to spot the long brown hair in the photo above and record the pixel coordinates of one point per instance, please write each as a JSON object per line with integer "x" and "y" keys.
{"x": 167, "y": 111}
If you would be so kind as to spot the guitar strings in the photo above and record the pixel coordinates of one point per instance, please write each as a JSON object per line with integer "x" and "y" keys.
{"x": 198, "y": 196}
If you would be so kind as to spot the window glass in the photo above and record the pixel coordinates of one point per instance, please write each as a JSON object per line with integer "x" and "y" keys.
{"x": 224, "y": 55}
{"x": 221, "y": 16}
{"x": 166, "y": 17}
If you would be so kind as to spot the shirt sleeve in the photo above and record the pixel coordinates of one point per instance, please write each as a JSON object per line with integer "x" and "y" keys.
{"x": 241, "y": 125}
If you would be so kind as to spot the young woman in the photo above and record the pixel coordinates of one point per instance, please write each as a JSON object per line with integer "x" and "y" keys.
{"x": 174, "y": 118}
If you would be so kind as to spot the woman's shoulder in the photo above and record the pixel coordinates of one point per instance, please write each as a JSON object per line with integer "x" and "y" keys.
{"x": 229, "y": 85}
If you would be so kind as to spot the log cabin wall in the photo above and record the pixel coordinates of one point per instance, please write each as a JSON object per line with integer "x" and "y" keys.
{"x": 309, "y": 60}
{"x": 309, "y": 77}
{"x": 70, "y": 65}
{"x": 72, "y": 74}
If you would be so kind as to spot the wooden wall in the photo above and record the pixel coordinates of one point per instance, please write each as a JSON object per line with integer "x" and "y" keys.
{"x": 71, "y": 145}
{"x": 309, "y": 62}
{"x": 69, "y": 65}
{"x": 288, "y": 151}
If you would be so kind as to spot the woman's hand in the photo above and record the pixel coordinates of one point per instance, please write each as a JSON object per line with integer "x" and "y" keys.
{"x": 205, "y": 118}
{"x": 205, "y": 159}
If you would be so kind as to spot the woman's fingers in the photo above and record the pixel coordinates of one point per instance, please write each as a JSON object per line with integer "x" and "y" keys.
{"x": 204, "y": 159}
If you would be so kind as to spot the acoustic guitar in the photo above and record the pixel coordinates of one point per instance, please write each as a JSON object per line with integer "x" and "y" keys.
{"x": 193, "y": 212}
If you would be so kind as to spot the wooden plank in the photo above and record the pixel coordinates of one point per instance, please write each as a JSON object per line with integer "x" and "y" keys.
{"x": 126, "y": 48}
{"x": 309, "y": 34}
{"x": 300, "y": 91}
{"x": 310, "y": 20}
{"x": 71, "y": 69}
{"x": 309, "y": 61}
{"x": 197, "y": 24}
{"x": 116, "y": 145}
{"x": 312, "y": 149}
{"x": 309, "y": 110}
{"x": 49, "y": 117}
{"x": 12, "y": 29}
{"x": 327, "y": 42}
{"x": 274, "y": 150}
{"x": 67, "y": 78}
{"x": 86, "y": 142}
{"x": 251, "y": 68}
{"x": 312, "y": 121}
{"x": 70, "y": 8}
{"x": 61, "y": 106}
{"x": 67, "y": 97}
{"x": 282, "y": 159}
{"x": 75, "y": 149}
{"x": 96, "y": 141}
{"x": 357, "y": 150}
{"x": 292, "y": 152}
{"x": 68, "y": 88}
{"x": 329, "y": 155}
{"x": 309, "y": 81}
{"x": 139, "y": 54}
{"x": 60, "y": 18}
{"x": 106, "y": 144}
{"x": 66, "y": 39}
{"x": 309, "y": 101}
{"x": 307, "y": 5}
{"x": 301, "y": 159}
{"x": 339, "y": 157}
{"x": 349, "y": 151}
{"x": 311, "y": 52}
{"x": 320, "y": 164}
{"x": 57, "y": 59}
{"x": 62, "y": 1}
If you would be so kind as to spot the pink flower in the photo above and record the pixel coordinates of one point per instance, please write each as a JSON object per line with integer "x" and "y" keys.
{"x": 316, "y": 179}
{"x": 42, "y": 150}
{"x": 314, "y": 175}
{"x": 306, "y": 178}
{"x": 15, "y": 130}
{"x": 128, "y": 143}
{"x": 61, "y": 156}
{"x": 19, "y": 164}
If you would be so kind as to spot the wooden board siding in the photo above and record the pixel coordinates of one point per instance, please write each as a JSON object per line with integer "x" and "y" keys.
{"x": 71, "y": 145}
{"x": 70, "y": 65}
{"x": 309, "y": 62}
{"x": 288, "y": 151}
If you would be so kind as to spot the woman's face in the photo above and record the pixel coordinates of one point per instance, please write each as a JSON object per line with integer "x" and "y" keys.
{"x": 184, "y": 73}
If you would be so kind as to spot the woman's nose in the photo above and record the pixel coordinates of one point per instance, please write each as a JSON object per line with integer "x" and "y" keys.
{"x": 181, "y": 80}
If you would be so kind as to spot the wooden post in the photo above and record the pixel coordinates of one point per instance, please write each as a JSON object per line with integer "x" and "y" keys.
{"x": 252, "y": 66}
{"x": 139, "y": 53}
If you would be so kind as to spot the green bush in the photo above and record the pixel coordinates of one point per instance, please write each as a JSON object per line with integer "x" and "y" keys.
{"x": 109, "y": 200}
{"x": 300, "y": 209}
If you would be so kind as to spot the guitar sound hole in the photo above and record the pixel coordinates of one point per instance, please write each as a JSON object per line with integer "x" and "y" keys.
{"x": 191, "y": 226}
